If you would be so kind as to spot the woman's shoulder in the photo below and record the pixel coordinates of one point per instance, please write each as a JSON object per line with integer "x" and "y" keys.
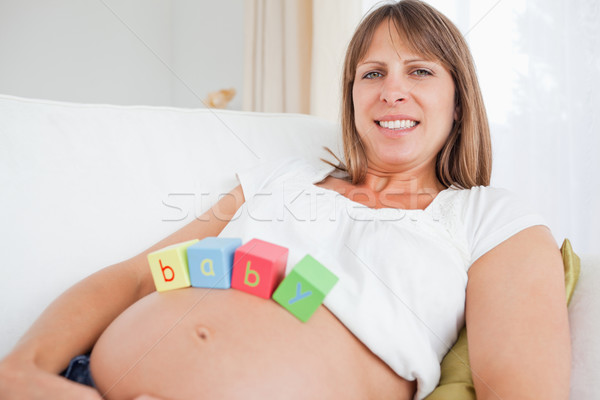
{"x": 483, "y": 197}
{"x": 485, "y": 203}
{"x": 489, "y": 215}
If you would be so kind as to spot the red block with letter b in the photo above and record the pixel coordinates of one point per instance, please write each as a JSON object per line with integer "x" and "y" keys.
{"x": 259, "y": 267}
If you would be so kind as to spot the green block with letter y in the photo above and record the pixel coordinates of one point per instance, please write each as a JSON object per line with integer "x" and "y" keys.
{"x": 305, "y": 288}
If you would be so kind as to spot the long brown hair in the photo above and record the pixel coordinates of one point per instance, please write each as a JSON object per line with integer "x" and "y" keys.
{"x": 465, "y": 160}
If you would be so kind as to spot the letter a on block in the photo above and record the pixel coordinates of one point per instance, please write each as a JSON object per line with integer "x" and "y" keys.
{"x": 210, "y": 271}
{"x": 210, "y": 262}
{"x": 169, "y": 266}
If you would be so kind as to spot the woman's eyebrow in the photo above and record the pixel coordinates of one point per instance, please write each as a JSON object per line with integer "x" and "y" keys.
{"x": 416, "y": 60}
{"x": 381, "y": 63}
{"x": 407, "y": 61}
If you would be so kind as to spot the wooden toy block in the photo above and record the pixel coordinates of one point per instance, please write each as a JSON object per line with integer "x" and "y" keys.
{"x": 210, "y": 262}
{"x": 169, "y": 266}
{"x": 305, "y": 288}
{"x": 258, "y": 267}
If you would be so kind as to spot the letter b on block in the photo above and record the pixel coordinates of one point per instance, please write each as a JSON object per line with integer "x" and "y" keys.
{"x": 210, "y": 261}
{"x": 258, "y": 267}
{"x": 251, "y": 277}
{"x": 169, "y": 266}
{"x": 305, "y": 288}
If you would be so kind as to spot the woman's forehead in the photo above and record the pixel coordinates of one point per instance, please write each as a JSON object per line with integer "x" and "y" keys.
{"x": 388, "y": 37}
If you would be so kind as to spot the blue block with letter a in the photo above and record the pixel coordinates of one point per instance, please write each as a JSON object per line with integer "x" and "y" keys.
{"x": 210, "y": 262}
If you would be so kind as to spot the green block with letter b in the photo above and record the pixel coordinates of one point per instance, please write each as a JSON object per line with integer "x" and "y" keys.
{"x": 305, "y": 288}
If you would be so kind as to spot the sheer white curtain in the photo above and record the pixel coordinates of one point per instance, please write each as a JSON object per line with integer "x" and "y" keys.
{"x": 293, "y": 55}
{"x": 538, "y": 62}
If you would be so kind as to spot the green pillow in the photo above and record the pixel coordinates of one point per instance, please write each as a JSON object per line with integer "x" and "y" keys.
{"x": 456, "y": 382}
{"x": 572, "y": 268}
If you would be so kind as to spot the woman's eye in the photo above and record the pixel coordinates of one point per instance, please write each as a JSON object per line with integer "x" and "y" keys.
{"x": 421, "y": 72}
{"x": 372, "y": 75}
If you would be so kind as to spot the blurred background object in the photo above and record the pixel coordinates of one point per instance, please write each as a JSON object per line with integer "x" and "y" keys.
{"x": 220, "y": 98}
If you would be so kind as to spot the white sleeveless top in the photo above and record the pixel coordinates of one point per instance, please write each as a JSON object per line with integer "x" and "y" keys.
{"x": 402, "y": 273}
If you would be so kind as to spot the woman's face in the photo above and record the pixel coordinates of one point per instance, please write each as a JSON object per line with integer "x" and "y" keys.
{"x": 403, "y": 104}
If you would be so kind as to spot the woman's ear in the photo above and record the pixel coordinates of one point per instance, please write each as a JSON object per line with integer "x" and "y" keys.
{"x": 457, "y": 109}
{"x": 456, "y": 112}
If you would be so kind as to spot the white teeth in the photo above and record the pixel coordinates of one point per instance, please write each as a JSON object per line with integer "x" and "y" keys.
{"x": 398, "y": 124}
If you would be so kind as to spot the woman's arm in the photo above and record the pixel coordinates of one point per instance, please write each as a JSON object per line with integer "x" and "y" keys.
{"x": 517, "y": 323}
{"x": 74, "y": 321}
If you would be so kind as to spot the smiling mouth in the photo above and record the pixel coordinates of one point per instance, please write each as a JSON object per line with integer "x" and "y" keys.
{"x": 398, "y": 124}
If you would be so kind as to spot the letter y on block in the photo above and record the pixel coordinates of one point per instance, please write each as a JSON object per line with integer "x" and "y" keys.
{"x": 299, "y": 294}
{"x": 312, "y": 277}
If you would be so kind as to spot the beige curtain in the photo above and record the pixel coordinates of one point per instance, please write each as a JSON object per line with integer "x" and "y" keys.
{"x": 293, "y": 54}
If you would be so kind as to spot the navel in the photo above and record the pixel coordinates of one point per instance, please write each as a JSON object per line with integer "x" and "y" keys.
{"x": 203, "y": 333}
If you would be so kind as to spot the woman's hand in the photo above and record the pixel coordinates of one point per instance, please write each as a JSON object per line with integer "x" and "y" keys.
{"x": 24, "y": 380}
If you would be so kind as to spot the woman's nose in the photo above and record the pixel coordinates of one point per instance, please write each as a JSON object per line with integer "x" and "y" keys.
{"x": 395, "y": 90}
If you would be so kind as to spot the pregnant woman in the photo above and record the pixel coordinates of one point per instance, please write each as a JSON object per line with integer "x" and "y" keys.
{"x": 406, "y": 220}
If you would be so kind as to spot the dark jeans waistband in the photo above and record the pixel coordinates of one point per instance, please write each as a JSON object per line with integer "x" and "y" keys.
{"x": 79, "y": 370}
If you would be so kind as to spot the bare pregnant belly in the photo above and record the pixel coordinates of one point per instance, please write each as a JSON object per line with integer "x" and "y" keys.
{"x": 225, "y": 344}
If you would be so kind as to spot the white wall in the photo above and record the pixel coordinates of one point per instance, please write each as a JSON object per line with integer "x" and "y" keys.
{"x": 109, "y": 51}
{"x": 208, "y": 49}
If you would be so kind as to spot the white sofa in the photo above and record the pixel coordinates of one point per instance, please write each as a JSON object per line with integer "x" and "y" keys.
{"x": 85, "y": 186}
